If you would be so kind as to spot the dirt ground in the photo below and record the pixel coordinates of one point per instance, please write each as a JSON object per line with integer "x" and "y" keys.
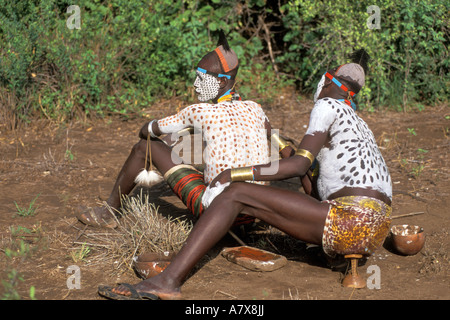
{"x": 68, "y": 166}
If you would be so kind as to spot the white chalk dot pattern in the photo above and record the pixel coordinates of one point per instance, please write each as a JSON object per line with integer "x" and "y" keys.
{"x": 207, "y": 86}
{"x": 234, "y": 132}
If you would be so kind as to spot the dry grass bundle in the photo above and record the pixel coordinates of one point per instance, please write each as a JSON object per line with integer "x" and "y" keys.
{"x": 140, "y": 229}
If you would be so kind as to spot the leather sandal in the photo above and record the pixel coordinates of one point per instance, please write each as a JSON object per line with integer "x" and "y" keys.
{"x": 106, "y": 291}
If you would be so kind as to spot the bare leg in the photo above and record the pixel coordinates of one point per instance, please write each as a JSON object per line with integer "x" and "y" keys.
{"x": 294, "y": 213}
{"x": 161, "y": 158}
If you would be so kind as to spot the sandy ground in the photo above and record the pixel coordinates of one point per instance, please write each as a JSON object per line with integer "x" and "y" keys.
{"x": 66, "y": 166}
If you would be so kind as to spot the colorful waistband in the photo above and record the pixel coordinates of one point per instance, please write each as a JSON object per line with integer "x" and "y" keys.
{"x": 188, "y": 184}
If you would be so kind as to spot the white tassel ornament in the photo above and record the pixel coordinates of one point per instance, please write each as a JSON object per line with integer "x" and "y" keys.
{"x": 148, "y": 177}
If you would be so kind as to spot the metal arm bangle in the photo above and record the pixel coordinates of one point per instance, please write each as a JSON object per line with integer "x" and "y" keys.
{"x": 306, "y": 154}
{"x": 242, "y": 174}
{"x": 281, "y": 143}
{"x": 150, "y": 129}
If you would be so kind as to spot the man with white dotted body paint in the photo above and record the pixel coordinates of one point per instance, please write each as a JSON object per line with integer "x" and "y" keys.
{"x": 235, "y": 132}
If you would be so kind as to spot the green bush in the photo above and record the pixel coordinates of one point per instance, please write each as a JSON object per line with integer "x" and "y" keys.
{"x": 125, "y": 56}
{"x": 409, "y": 52}
{"x": 128, "y": 54}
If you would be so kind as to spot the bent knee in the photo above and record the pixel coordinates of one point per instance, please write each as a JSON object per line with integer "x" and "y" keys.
{"x": 233, "y": 192}
{"x": 140, "y": 147}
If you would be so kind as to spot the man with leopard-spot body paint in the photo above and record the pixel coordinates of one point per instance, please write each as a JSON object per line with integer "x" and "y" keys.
{"x": 235, "y": 132}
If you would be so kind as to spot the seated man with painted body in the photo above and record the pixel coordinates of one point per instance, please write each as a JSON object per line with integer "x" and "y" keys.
{"x": 235, "y": 133}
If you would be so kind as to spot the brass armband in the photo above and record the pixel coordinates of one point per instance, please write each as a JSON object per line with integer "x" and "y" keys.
{"x": 281, "y": 143}
{"x": 306, "y": 154}
{"x": 242, "y": 174}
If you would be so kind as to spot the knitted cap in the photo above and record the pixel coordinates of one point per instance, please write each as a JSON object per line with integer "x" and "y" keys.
{"x": 353, "y": 71}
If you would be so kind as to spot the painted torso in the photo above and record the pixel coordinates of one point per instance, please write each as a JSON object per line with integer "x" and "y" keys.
{"x": 234, "y": 133}
{"x": 352, "y": 158}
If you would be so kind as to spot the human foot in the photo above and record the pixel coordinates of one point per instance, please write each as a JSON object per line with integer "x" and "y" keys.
{"x": 97, "y": 217}
{"x": 133, "y": 294}
{"x": 144, "y": 290}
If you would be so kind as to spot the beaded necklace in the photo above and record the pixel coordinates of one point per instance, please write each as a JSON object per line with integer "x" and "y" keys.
{"x": 229, "y": 96}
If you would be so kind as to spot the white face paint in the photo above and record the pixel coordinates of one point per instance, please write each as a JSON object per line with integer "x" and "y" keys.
{"x": 206, "y": 86}
{"x": 319, "y": 88}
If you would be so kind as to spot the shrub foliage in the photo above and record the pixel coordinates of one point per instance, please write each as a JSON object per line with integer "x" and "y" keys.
{"x": 127, "y": 54}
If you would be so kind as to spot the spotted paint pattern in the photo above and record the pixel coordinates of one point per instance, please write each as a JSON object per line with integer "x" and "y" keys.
{"x": 234, "y": 133}
{"x": 355, "y": 225}
{"x": 353, "y": 158}
{"x": 206, "y": 86}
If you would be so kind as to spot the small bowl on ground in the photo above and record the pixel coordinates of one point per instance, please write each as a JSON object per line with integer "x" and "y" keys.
{"x": 407, "y": 239}
{"x": 148, "y": 265}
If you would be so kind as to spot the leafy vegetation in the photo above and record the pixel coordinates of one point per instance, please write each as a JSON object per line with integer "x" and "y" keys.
{"x": 22, "y": 244}
{"x": 27, "y": 211}
{"x": 409, "y": 51}
{"x": 127, "y": 55}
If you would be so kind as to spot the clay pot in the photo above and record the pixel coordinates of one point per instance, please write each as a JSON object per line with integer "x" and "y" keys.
{"x": 408, "y": 239}
{"x": 148, "y": 265}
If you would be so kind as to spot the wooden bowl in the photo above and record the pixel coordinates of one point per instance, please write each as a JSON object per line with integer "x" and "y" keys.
{"x": 408, "y": 239}
{"x": 148, "y": 265}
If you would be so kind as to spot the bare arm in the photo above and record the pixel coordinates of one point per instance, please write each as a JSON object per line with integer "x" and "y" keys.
{"x": 284, "y": 153}
{"x": 143, "y": 133}
{"x": 295, "y": 166}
